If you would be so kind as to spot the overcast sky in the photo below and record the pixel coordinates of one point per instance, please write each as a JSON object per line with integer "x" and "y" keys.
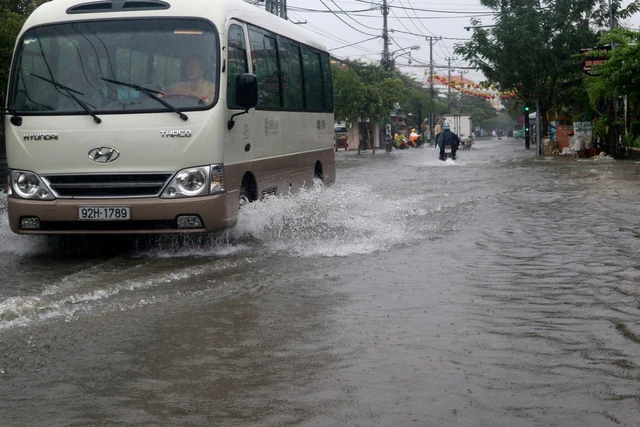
{"x": 353, "y": 29}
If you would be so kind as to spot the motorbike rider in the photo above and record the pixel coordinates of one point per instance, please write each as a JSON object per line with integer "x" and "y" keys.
{"x": 414, "y": 137}
{"x": 447, "y": 137}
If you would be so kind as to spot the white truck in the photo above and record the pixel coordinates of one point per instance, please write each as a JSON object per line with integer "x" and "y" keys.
{"x": 461, "y": 126}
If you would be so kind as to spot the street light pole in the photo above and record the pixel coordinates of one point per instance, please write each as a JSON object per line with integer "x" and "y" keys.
{"x": 431, "y": 89}
{"x": 394, "y": 56}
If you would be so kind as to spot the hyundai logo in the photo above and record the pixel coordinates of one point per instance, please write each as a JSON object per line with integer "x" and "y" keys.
{"x": 104, "y": 154}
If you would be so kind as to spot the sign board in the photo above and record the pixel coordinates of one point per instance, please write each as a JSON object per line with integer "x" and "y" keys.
{"x": 593, "y": 58}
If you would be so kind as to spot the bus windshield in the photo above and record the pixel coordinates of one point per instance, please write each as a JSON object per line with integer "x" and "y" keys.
{"x": 124, "y": 66}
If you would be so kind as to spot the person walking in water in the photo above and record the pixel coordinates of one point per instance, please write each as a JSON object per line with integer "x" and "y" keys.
{"x": 437, "y": 130}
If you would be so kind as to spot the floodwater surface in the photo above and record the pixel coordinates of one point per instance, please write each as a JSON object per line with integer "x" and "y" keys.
{"x": 502, "y": 289}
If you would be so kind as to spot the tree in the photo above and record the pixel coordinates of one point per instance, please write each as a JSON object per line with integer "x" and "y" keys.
{"x": 10, "y": 24}
{"x": 618, "y": 75}
{"x": 480, "y": 109}
{"x": 13, "y": 13}
{"x": 531, "y": 49}
{"x": 364, "y": 93}
{"x": 348, "y": 93}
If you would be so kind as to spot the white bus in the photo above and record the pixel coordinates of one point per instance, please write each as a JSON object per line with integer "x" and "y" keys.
{"x": 161, "y": 116}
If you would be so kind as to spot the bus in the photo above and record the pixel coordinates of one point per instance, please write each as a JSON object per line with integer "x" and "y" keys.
{"x": 161, "y": 116}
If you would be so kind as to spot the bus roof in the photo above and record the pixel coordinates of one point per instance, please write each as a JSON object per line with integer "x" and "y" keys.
{"x": 216, "y": 11}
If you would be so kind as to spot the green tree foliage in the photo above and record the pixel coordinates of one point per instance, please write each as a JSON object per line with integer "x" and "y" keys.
{"x": 382, "y": 90}
{"x": 10, "y": 24}
{"x": 418, "y": 103}
{"x": 480, "y": 109}
{"x": 348, "y": 93}
{"x": 13, "y": 13}
{"x": 619, "y": 75}
{"x": 364, "y": 91}
{"x": 531, "y": 49}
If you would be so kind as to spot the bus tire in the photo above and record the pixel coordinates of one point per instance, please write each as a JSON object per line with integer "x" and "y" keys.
{"x": 244, "y": 197}
{"x": 317, "y": 172}
{"x": 247, "y": 192}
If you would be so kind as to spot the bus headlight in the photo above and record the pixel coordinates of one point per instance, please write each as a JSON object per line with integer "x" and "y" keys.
{"x": 28, "y": 185}
{"x": 196, "y": 181}
{"x": 191, "y": 182}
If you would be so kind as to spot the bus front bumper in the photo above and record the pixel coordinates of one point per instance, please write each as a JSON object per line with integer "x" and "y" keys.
{"x": 153, "y": 215}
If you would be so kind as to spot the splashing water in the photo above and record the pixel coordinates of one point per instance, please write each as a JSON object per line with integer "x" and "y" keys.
{"x": 334, "y": 221}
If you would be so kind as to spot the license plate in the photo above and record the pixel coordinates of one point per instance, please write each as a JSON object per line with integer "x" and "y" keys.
{"x": 447, "y": 150}
{"x": 104, "y": 213}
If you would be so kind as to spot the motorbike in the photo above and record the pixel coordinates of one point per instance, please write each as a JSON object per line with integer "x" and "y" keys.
{"x": 465, "y": 144}
{"x": 447, "y": 152}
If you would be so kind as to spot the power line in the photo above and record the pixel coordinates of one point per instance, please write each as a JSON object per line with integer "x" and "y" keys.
{"x": 420, "y": 20}
{"x": 353, "y": 44}
{"x": 366, "y": 11}
{"x": 444, "y": 12}
{"x": 411, "y": 18}
{"x": 343, "y": 21}
{"x": 422, "y": 35}
{"x": 304, "y": 9}
{"x": 350, "y": 17}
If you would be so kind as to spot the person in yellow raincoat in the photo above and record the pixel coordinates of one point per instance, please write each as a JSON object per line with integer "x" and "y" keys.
{"x": 399, "y": 140}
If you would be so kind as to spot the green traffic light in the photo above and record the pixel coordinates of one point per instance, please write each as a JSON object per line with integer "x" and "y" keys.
{"x": 526, "y": 108}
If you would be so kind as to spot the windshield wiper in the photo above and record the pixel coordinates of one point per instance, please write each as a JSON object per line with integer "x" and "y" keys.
{"x": 71, "y": 92}
{"x": 153, "y": 94}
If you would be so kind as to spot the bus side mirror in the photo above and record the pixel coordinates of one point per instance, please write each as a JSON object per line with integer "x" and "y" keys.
{"x": 247, "y": 90}
{"x": 246, "y": 95}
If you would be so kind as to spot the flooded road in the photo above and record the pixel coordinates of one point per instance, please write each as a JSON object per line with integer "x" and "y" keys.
{"x": 502, "y": 289}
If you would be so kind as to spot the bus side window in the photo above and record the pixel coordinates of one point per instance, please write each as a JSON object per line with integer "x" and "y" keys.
{"x": 327, "y": 82}
{"x": 291, "y": 66}
{"x": 312, "y": 80}
{"x": 236, "y": 62}
{"x": 265, "y": 67}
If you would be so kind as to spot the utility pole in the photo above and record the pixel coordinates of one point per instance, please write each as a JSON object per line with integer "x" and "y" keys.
{"x": 613, "y": 151}
{"x": 431, "y": 90}
{"x": 462, "y": 72}
{"x": 386, "y": 60}
{"x": 276, "y": 7}
{"x": 449, "y": 79}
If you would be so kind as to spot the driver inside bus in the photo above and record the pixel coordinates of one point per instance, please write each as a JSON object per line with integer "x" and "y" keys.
{"x": 194, "y": 84}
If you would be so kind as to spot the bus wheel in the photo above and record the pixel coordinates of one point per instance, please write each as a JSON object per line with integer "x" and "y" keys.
{"x": 244, "y": 197}
{"x": 247, "y": 191}
{"x": 317, "y": 172}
